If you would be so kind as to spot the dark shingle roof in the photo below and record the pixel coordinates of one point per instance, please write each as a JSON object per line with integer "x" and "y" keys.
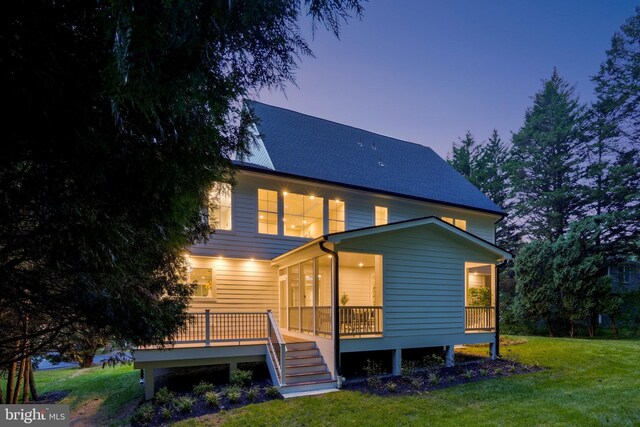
{"x": 311, "y": 147}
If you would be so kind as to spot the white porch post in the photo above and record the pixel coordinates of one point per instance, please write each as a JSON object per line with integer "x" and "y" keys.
{"x": 449, "y": 358}
{"x": 148, "y": 383}
{"x": 397, "y": 361}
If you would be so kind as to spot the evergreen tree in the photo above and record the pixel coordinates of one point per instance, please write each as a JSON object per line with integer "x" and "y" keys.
{"x": 545, "y": 165}
{"x": 463, "y": 156}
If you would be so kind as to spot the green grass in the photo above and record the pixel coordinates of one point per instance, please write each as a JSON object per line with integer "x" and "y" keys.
{"x": 114, "y": 387}
{"x": 585, "y": 382}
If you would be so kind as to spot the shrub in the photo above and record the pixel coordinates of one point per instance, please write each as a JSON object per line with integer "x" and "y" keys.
{"x": 163, "y": 396}
{"x": 202, "y": 387}
{"x": 468, "y": 374}
{"x": 212, "y": 398}
{"x": 408, "y": 368}
{"x": 391, "y": 387}
{"x": 512, "y": 368}
{"x": 372, "y": 368}
{"x": 253, "y": 393}
{"x": 241, "y": 377}
{"x": 233, "y": 393}
{"x": 417, "y": 383}
{"x": 271, "y": 391}
{"x": 183, "y": 404}
{"x": 374, "y": 382}
{"x": 433, "y": 360}
{"x": 144, "y": 414}
{"x": 497, "y": 371}
{"x": 165, "y": 413}
{"x": 483, "y": 372}
{"x": 433, "y": 378}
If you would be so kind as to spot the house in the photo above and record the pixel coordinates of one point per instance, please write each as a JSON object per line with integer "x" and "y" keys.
{"x": 336, "y": 240}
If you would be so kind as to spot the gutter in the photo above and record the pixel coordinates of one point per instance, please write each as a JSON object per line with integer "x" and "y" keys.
{"x": 336, "y": 304}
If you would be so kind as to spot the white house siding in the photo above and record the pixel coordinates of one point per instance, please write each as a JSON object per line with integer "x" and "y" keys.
{"x": 244, "y": 241}
{"x": 423, "y": 286}
{"x": 239, "y": 285}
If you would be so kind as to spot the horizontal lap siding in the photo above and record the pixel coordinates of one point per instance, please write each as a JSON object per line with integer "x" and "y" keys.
{"x": 423, "y": 271}
{"x": 239, "y": 286}
{"x": 244, "y": 241}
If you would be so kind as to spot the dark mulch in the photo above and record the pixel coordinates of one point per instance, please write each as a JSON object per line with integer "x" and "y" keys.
{"x": 51, "y": 397}
{"x": 202, "y": 407}
{"x": 427, "y": 379}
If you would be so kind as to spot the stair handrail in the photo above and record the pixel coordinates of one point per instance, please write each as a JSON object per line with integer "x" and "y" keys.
{"x": 277, "y": 350}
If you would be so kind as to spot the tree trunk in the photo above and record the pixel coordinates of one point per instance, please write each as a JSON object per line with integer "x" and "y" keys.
{"x": 1, "y": 398}
{"x": 12, "y": 374}
{"x": 25, "y": 386}
{"x": 571, "y": 329}
{"x": 614, "y": 326}
{"x": 549, "y": 326}
{"x": 32, "y": 382}
{"x": 19, "y": 380}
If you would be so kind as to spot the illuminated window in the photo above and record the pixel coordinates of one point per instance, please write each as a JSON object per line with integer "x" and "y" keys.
{"x": 302, "y": 215}
{"x": 220, "y": 207}
{"x": 203, "y": 279}
{"x": 336, "y": 216}
{"x": 460, "y": 223}
{"x": 267, "y": 211}
{"x": 382, "y": 215}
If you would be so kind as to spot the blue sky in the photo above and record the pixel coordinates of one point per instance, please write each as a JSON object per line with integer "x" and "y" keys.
{"x": 428, "y": 71}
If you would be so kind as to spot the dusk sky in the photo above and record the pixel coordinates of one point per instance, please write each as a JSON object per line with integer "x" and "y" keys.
{"x": 428, "y": 71}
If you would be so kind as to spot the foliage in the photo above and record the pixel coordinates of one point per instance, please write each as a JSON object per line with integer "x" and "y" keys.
{"x": 77, "y": 344}
{"x": 391, "y": 387}
{"x": 545, "y": 163}
{"x": 462, "y": 158}
{"x": 241, "y": 377}
{"x": 271, "y": 391}
{"x": 164, "y": 396}
{"x": 183, "y": 404}
{"x": 480, "y": 296}
{"x": 212, "y": 398}
{"x": 165, "y": 413}
{"x": 433, "y": 378}
{"x": 344, "y": 299}
{"x": 144, "y": 414}
{"x": 253, "y": 393}
{"x": 202, "y": 388}
{"x": 121, "y": 119}
{"x": 233, "y": 393}
{"x": 408, "y": 368}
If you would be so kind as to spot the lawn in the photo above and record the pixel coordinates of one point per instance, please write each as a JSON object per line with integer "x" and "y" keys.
{"x": 584, "y": 382}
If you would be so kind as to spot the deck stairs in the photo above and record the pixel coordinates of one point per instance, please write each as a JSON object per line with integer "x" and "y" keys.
{"x": 306, "y": 370}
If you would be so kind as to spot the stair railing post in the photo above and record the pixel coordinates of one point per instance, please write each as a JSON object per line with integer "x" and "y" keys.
{"x": 207, "y": 327}
{"x": 283, "y": 364}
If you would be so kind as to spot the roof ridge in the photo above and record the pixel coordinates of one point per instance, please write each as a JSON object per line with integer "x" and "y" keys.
{"x": 345, "y": 125}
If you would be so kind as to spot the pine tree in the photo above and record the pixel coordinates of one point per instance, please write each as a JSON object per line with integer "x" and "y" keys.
{"x": 545, "y": 166}
{"x": 462, "y": 157}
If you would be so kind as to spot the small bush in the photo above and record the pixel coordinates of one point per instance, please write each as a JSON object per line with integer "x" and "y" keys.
{"x": 165, "y": 413}
{"x": 483, "y": 372}
{"x": 432, "y": 361}
{"x": 372, "y": 368}
{"x": 391, "y": 387}
{"x": 144, "y": 414}
{"x": 512, "y": 368}
{"x": 163, "y": 396}
{"x": 468, "y": 374}
{"x": 183, "y": 404}
{"x": 408, "y": 368}
{"x": 253, "y": 393}
{"x": 374, "y": 382}
{"x": 241, "y": 377}
{"x": 272, "y": 391}
{"x": 433, "y": 378}
{"x": 202, "y": 387}
{"x": 212, "y": 398}
{"x": 497, "y": 371}
{"x": 233, "y": 393}
{"x": 417, "y": 383}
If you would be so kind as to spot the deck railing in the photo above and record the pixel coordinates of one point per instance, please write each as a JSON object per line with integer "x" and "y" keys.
{"x": 354, "y": 320}
{"x": 479, "y": 318}
{"x": 205, "y": 328}
{"x": 277, "y": 348}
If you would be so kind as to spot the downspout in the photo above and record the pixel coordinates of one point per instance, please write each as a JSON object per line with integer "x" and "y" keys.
{"x": 336, "y": 317}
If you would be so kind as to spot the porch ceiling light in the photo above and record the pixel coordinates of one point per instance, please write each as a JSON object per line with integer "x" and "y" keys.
{"x": 360, "y": 264}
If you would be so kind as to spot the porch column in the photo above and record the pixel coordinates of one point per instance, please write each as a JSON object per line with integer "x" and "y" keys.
{"x": 397, "y": 361}
{"x": 148, "y": 383}
{"x": 232, "y": 367}
{"x": 449, "y": 358}
{"x": 493, "y": 350}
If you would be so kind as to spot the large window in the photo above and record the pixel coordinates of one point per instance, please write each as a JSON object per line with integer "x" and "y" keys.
{"x": 267, "y": 211}
{"x": 382, "y": 215}
{"x": 479, "y": 297}
{"x": 302, "y": 215}
{"x": 460, "y": 223}
{"x": 336, "y": 216}
{"x": 220, "y": 207}
{"x": 203, "y": 279}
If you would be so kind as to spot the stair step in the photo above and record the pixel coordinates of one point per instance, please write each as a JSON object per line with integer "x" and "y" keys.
{"x": 308, "y": 386}
{"x": 309, "y": 367}
{"x": 303, "y": 360}
{"x": 306, "y": 352}
{"x": 308, "y": 377}
{"x": 301, "y": 345}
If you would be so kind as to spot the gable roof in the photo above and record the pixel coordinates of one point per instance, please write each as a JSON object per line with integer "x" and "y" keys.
{"x": 305, "y": 146}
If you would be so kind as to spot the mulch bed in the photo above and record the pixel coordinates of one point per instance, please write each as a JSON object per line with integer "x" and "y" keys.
{"x": 421, "y": 381}
{"x": 202, "y": 407}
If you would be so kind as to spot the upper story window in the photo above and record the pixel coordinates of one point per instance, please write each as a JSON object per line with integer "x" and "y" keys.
{"x": 460, "y": 223}
{"x": 267, "y": 211}
{"x": 303, "y": 216}
{"x": 220, "y": 206}
{"x": 336, "y": 216}
{"x": 382, "y": 215}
